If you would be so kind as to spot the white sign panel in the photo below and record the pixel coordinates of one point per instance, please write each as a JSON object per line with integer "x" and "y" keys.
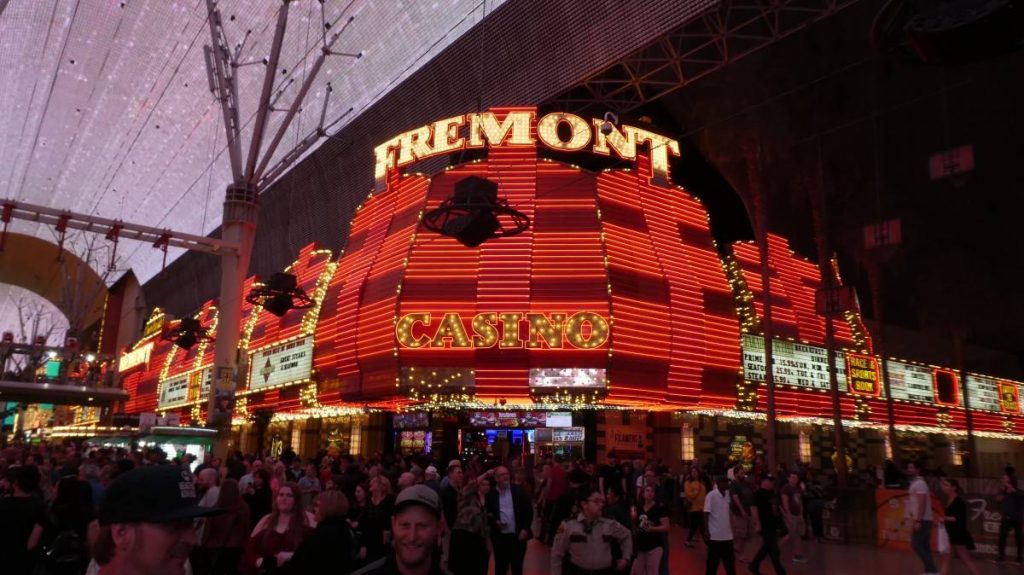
{"x": 279, "y": 364}
{"x": 795, "y": 363}
{"x": 133, "y": 358}
{"x": 983, "y": 393}
{"x": 173, "y": 391}
{"x": 573, "y": 377}
{"x": 910, "y": 382}
{"x": 567, "y": 435}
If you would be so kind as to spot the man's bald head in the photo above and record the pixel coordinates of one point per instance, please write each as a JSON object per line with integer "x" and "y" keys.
{"x": 406, "y": 480}
{"x": 207, "y": 478}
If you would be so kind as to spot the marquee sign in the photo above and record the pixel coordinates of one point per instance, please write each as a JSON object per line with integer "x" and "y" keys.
{"x": 983, "y": 393}
{"x": 281, "y": 364}
{"x": 581, "y": 330}
{"x": 559, "y": 131}
{"x": 796, "y": 364}
{"x": 174, "y": 392}
{"x": 910, "y": 382}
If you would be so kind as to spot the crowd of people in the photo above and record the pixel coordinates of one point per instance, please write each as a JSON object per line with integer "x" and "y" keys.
{"x": 71, "y": 510}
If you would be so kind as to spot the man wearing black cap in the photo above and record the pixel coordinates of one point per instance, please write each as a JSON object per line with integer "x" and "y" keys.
{"x": 146, "y": 522}
{"x": 415, "y": 529}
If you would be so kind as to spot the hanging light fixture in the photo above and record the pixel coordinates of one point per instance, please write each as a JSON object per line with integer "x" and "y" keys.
{"x": 280, "y": 294}
{"x": 187, "y": 333}
{"x": 475, "y": 214}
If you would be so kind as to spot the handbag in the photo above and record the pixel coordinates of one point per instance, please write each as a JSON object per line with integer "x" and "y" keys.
{"x": 943, "y": 540}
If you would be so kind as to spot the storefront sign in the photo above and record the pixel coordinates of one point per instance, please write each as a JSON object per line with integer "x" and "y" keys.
{"x": 567, "y": 435}
{"x": 154, "y": 323}
{"x": 796, "y": 364}
{"x": 281, "y": 364}
{"x": 512, "y": 419}
{"x": 411, "y": 420}
{"x": 135, "y": 358}
{"x": 946, "y": 385}
{"x": 910, "y": 382}
{"x": 483, "y": 129}
{"x": 581, "y": 330}
{"x": 1009, "y": 397}
{"x": 983, "y": 393}
{"x": 571, "y": 377}
{"x": 625, "y": 439}
{"x": 862, "y": 373}
{"x": 174, "y": 391}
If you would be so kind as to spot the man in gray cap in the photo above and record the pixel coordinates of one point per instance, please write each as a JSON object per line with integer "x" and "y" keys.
{"x": 415, "y": 530}
{"x": 146, "y": 522}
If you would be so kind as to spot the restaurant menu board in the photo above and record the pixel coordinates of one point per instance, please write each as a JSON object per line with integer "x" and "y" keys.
{"x": 983, "y": 392}
{"x": 173, "y": 391}
{"x": 795, "y": 363}
{"x": 573, "y": 377}
{"x": 283, "y": 363}
{"x": 910, "y": 382}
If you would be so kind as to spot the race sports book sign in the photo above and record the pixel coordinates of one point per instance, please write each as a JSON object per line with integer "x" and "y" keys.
{"x": 796, "y": 364}
{"x": 983, "y": 392}
{"x": 910, "y": 382}
{"x": 280, "y": 364}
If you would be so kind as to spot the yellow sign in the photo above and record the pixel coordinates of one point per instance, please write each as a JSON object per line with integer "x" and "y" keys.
{"x": 862, "y": 373}
{"x": 582, "y": 330}
{"x": 558, "y": 131}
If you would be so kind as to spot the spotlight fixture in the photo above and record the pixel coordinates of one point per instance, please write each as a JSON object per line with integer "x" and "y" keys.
{"x": 610, "y": 119}
{"x": 475, "y": 214}
{"x": 188, "y": 333}
{"x": 280, "y": 294}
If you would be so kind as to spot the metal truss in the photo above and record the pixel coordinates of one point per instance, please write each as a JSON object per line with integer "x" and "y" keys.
{"x": 63, "y": 220}
{"x": 720, "y": 35}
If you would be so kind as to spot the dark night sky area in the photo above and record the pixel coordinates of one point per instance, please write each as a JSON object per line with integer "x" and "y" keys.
{"x": 826, "y": 93}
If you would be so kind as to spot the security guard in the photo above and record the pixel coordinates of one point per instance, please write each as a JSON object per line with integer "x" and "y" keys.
{"x": 583, "y": 546}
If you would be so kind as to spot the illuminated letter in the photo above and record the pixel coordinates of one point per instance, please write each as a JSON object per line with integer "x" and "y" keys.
{"x": 485, "y": 334}
{"x": 510, "y": 331}
{"x": 547, "y": 131}
{"x": 485, "y": 126}
{"x": 451, "y": 328}
{"x": 598, "y": 330}
{"x": 624, "y": 144}
{"x": 384, "y": 160}
{"x": 661, "y": 147}
{"x": 403, "y": 330}
{"x": 415, "y": 145}
{"x": 446, "y": 135}
{"x": 543, "y": 329}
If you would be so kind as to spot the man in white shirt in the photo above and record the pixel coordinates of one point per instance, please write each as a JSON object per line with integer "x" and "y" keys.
{"x": 919, "y": 512}
{"x": 718, "y": 528}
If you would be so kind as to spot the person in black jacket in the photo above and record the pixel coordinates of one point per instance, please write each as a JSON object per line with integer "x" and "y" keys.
{"x": 330, "y": 543}
{"x": 511, "y": 517}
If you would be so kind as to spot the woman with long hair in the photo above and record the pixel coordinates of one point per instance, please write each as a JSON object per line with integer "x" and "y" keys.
{"x": 279, "y": 477}
{"x": 652, "y": 525}
{"x": 694, "y": 493}
{"x": 259, "y": 496}
{"x": 330, "y": 543}
{"x": 960, "y": 541}
{"x": 356, "y": 517}
{"x": 225, "y": 535}
{"x": 471, "y": 541}
{"x": 376, "y": 525}
{"x": 278, "y": 535}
